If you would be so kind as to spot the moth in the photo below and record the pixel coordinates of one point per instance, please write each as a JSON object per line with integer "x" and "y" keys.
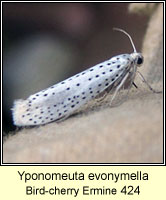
{"x": 63, "y": 99}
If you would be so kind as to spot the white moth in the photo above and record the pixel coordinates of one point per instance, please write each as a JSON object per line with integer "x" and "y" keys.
{"x": 63, "y": 99}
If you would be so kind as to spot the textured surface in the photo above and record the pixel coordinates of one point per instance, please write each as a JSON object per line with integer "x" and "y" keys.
{"x": 130, "y": 132}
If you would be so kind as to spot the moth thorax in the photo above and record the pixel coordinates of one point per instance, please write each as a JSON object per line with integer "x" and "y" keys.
{"x": 138, "y": 58}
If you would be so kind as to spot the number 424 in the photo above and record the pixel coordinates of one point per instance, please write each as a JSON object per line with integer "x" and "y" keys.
{"x": 130, "y": 190}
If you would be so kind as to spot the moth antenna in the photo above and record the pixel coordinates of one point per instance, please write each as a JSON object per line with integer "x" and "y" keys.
{"x": 121, "y": 30}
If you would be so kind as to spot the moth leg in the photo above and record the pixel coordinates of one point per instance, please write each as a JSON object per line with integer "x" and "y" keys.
{"x": 118, "y": 87}
{"x": 99, "y": 99}
{"x": 144, "y": 81}
{"x": 135, "y": 85}
{"x": 62, "y": 118}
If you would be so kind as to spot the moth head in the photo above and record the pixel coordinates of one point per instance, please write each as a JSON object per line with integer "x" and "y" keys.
{"x": 138, "y": 58}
